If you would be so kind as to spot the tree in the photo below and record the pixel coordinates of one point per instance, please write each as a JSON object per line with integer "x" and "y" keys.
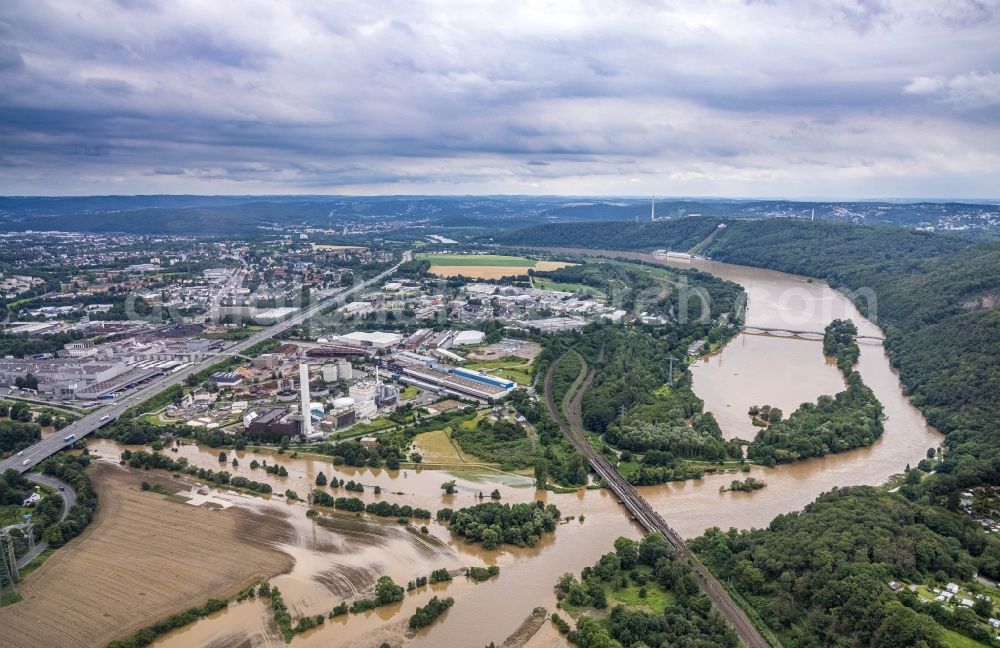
{"x": 235, "y": 462}
{"x": 53, "y": 535}
{"x": 321, "y": 479}
{"x": 491, "y": 539}
{"x": 495, "y": 494}
{"x": 449, "y": 487}
{"x": 541, "y": 472}
{"x": 628, "y": 552}
{"x": 19, "y": 411}
{"x": 222, "y": 457}
{"x": 283, "y": 443}
{"x": 386, "y": 591}
{"x": 983, "y": 607}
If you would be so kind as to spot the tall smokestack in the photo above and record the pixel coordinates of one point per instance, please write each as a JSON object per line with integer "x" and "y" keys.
{"x": 304, "y": 393}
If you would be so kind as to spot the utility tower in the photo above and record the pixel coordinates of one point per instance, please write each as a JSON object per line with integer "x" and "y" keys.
{"x": 8, "y": 560}
{"x": 672, "y": 359}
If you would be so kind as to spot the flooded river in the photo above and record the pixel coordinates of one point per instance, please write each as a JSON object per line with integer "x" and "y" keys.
{"x": 341, "y": 555}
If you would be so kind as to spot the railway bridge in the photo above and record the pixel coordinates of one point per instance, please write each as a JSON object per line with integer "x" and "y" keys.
{"x": 768, "y": 330}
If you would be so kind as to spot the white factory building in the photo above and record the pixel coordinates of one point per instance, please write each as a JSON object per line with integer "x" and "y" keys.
{"x": 364, "y": 394}
{"x": 371, "y": 339}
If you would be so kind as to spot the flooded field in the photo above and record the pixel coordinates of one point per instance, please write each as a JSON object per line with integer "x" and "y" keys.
{"x": 339, "y": 556}
{"x": 143, "y": 558}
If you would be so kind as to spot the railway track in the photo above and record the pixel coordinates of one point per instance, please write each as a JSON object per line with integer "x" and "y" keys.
{"x": 642, "y": 512}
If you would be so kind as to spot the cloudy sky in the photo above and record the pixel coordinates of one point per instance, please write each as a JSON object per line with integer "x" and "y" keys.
{"x": 796, "y": 98}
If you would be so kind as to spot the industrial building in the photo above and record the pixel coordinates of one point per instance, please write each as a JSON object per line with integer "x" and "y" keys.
{"x": 373, "y": 339}
{"x": 273, "y": 421}
{"x": 430, "y": 374}
{"x": 364, "y": 394}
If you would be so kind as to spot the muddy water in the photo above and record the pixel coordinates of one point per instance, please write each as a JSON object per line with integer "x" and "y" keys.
{"x": 344, "y": 555}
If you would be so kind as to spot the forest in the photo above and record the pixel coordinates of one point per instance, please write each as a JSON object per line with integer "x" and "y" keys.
{"x": 664, "y": 605}
{"x": 630, "y": 403}
{"x": 16, "y": 436}
{"x": 820, "y": 576}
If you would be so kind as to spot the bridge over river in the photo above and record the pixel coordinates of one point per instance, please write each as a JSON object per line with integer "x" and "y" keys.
{"x": 768, "y": 330}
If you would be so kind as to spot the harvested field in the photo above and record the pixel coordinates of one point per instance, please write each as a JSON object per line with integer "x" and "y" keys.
{"x": 143, "y": 558}
{"x": 491, "y": 271}
{"x": 485, "y": 266}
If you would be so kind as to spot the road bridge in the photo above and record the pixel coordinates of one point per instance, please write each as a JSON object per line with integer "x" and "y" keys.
{"x": 642, "y": 512}
{"x": 767, "y": 330}
{"x": 28, "y": 458}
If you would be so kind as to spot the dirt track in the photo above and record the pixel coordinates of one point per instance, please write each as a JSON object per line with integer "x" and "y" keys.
{"x": 143, "y": 558}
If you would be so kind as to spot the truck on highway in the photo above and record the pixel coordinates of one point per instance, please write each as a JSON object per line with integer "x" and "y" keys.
{"x": 69, "y": 437}
{"x": 105, "y": 417}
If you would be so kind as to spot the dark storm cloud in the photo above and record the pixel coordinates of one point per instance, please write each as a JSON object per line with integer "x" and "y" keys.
{"x": 771, "y": 97}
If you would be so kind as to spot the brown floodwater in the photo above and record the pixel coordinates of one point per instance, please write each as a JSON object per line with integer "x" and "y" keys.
{"x": 341, "y": 555}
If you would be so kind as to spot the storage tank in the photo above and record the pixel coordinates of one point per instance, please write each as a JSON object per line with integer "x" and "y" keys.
{"x": 343, "y": 402}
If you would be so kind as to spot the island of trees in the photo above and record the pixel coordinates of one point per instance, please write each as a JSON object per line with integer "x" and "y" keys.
{"x": 851, "y": 419}
{"x": 493, "y": 524}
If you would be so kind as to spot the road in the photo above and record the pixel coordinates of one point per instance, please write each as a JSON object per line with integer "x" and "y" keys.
{"x": 69, "y": 499}
{"x": 27, "y": 459}
{"x": 643, "y": 513}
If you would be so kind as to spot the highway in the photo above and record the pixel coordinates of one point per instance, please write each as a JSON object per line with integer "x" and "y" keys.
{"x": 641, "y": 510}
{"x": 27, "y": 459}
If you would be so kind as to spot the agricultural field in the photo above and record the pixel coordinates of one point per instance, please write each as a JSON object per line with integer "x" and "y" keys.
{"x": 143, "y": 558}
{"x": 484, "y": 266}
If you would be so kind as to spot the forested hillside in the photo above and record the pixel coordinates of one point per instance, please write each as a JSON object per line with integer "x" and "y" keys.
{"x": 820, "y": 577}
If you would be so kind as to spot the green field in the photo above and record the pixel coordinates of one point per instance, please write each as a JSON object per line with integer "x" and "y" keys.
{"x": 511, "y": 368}
{"x": 657, "y": 599}
{"x": 955, "y": 640}
{"x": 476, "y": 260}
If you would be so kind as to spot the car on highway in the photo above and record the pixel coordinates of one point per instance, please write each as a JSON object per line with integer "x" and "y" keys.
{"x": 69, "y": 437}
{"x": 61, "y": 487}
{"x": 105, "y": 417}
{"x": 26, "y": 462}
{"x": 20, "y": 454}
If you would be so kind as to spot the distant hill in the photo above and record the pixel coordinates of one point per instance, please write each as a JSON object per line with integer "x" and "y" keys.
{"x": 246, "y": 215}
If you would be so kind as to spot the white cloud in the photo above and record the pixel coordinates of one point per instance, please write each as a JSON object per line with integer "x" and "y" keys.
{"x": 972, "y": 90}
{"x": 756, "y": 98}
{"x": 926, "y": 86}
